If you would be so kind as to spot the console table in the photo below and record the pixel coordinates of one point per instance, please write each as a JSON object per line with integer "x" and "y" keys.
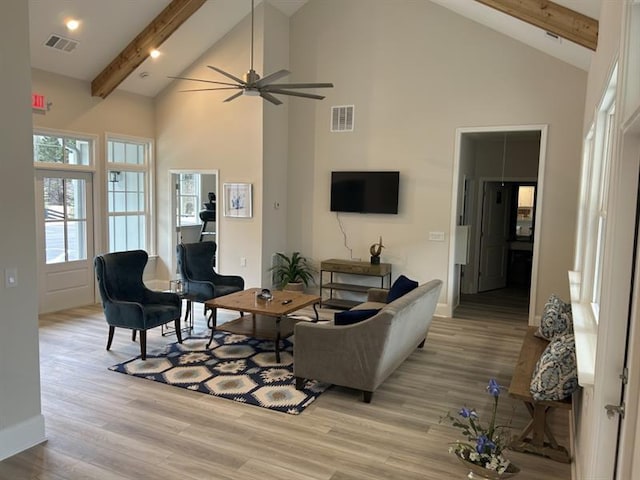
{"x": 350, "y": 267}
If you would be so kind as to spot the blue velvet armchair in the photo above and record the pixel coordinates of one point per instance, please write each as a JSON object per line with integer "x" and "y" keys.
{"x": 200, "y": 280}
{"x": 127, "y": 302}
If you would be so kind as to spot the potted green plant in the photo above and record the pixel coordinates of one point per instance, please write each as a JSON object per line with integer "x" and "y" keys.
{"x": 294, "y": 272}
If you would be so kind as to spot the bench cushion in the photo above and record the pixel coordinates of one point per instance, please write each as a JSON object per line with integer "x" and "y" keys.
{"x": 555, "y": 376}
{"x": 556, "y": 319}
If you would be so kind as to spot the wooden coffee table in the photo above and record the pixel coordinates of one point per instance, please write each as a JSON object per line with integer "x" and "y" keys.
{"x": 282, "y": 304}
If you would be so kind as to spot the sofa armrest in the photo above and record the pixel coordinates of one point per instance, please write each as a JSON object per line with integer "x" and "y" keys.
{"x": 378, "y": 295}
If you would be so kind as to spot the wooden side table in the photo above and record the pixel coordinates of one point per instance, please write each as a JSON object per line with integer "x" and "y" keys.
{"x": 350, "y": 267}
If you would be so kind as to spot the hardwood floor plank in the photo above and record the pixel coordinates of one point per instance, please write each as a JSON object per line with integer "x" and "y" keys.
{"x": 106, "y": 425}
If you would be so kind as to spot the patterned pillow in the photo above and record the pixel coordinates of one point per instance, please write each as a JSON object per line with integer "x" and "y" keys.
{"x": 556, "y": 374}
{"x": 556, "y": 318}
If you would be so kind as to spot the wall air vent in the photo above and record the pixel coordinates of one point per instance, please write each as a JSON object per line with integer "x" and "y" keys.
{"x": 342, "y": 118}
{"x": 61, "y": 43}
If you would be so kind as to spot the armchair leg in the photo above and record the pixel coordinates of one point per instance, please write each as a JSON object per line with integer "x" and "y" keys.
{"x": 143, "y": 344}
{"x": 421, "y": 344}
{"x": 178, "y": 331}
{"x": 366, "y": 396}
{"x": 299, "y": 383}
{"x": 112, "y": 329}
{"x": 133, "y": 335}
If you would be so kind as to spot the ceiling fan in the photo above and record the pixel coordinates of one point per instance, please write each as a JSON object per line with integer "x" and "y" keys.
{"x": 253, "y": 85}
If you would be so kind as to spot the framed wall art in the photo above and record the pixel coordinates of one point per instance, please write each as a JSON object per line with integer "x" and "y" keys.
{"x": 237, "y": 200}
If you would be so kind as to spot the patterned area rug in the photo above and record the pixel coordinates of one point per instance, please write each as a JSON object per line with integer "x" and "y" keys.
{"x": 236, "y": 367}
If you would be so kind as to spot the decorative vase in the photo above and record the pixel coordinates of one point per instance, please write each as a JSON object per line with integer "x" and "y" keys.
{"x": 476, "y": 472}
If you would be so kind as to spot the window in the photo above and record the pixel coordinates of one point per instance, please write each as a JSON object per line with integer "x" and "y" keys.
{"x": 60, "y": 150}
{"x": 128, "y": 195}
{"x": 188, "y": 199}
{"x": 592, "y": 221}
{"x": 65, "y": 217}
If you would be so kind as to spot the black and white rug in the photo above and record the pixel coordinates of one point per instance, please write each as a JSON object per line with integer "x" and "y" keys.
{"x": 237, "y": 367}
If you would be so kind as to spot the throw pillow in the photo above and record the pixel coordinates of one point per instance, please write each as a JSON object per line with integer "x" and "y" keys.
{"x": 400, "y": 287}
{"x": 556, "y": 318}
{"x": 556, "y": 374}
{"x": 349, "y": 317}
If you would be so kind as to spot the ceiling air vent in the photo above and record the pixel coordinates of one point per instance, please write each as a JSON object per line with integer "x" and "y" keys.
{"x": 342, "y": 118}
{"x": 61, "y": 43}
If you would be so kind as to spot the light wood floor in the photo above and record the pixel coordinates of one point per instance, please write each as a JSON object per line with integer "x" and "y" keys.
{"x": 105, "y": 425}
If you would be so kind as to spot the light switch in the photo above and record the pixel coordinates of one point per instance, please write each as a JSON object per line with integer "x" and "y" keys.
{"x": 10, "y": 277}
{"x": 436, "y": 236}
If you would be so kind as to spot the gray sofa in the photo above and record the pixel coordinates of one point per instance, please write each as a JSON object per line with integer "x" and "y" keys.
{"x": 364, "y": 354}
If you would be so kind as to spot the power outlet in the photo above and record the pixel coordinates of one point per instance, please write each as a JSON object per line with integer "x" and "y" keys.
{"x": 436, "y": 236}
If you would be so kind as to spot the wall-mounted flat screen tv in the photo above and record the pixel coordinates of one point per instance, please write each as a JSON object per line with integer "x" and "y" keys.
{"x": 365, "y": 192}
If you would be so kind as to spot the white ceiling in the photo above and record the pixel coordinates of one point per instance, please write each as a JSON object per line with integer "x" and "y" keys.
{"x": 107, "y": 26}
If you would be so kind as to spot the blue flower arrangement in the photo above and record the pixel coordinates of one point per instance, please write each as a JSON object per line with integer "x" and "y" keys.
{"x": 484, "y": 444}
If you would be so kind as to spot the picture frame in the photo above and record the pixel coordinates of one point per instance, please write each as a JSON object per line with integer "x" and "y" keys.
{"x": 237, "y": 200}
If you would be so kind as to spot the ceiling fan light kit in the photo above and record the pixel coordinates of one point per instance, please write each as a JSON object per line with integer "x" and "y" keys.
{"x": 252, "y": 85}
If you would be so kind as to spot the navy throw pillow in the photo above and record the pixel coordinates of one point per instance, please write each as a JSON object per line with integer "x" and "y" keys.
{"x": 400, "y": 287}
{"x": 349, "y": 317}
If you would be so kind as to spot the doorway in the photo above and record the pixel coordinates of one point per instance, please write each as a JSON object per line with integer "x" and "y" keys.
{"x": 496, "y": 194}
{"x": 194, "y": 191}
{"x": 65, "y": 239}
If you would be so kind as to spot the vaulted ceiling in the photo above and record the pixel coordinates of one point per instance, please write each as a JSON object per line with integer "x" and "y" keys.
{"x": 115, "y": 35}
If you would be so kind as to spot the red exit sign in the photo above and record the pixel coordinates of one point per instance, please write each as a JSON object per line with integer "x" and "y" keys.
{"x": 38, "y": 102}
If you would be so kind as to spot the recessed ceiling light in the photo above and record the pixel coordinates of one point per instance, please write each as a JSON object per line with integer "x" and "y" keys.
{"x": 154, "y": 53}
{"x": 72, "y": 24}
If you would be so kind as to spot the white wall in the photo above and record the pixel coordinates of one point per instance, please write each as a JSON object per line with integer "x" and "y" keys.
{"x": 415, "y": 72}
{"x": 275, "y": 142}
{"x": 21, "y": 421}
{"x": 197, "y": 130}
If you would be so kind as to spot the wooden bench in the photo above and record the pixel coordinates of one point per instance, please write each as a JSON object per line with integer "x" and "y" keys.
{"x": 536, "y": 437}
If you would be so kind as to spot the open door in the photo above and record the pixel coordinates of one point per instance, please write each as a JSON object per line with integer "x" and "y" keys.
{"x": 494, "y": 240}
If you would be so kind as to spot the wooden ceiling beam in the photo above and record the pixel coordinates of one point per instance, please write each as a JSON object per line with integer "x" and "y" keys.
{"x": 167, "y": 22}
{"x": 554, "y": 18}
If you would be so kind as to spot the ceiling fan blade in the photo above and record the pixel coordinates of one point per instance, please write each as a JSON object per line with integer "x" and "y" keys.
{"x": 272, "y": 78}
{"x": 298, "y": 85}
{"x": 232, "y": 77}
{"x": 209, "y": 89}
{"x": 235, "y": 95}
{"x": 199, "y": 80}
{"x": 270, "y": 98}
{"x": 295, "y": 94}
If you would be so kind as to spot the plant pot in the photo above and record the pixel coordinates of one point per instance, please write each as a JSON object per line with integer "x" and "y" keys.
{"x": 476, "y": 472}
{"x": 294, "y": 287}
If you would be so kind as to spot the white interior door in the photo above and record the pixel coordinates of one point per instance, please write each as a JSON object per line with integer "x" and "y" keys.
{"x": 494, "y": 240}
{"x": 64, "y": 234}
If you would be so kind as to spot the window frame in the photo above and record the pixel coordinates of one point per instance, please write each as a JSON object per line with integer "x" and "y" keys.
{"x": 147, "y": 168}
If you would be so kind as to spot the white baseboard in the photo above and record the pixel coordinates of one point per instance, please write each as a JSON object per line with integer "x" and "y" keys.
{"x": 443, "y": 310}
{"x": 16, "y": 438}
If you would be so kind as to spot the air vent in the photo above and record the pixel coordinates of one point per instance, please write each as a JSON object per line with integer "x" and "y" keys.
{"x": 61, "y": 43}
{"x": 342, "y": 118}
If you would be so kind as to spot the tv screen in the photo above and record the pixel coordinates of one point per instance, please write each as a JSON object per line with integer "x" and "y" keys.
{"x": 365, "y": 192}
